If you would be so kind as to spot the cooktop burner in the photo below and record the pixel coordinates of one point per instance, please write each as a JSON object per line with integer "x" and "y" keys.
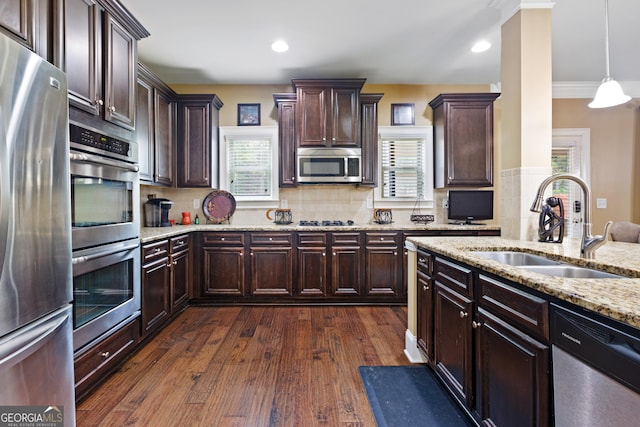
{"x": 324, "y": 223}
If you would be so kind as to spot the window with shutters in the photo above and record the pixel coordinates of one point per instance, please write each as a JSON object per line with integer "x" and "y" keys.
{"x": 405, "y": 164}
{"x": 249, "y": 163}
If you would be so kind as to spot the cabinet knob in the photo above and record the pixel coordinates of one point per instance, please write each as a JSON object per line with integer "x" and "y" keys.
{"x": 156, "y": 250}
{"x": 463, "y": 314}
{"x": 222, "y": 238}
{"x": 251, "y": 254}
{"x": 425, "y": 288}
{"x": 99, "y": 102}
{"x": 293, "y": 178}
{"x": 270, "y": 238}
{"x": 395, "y": 253}
{"x": 476, "y": 325}
{"x": 381, "y": 239}
{"x": 324, "y": 254}
{"x": 333, "y": 139}
{"x": 112, "y": 108}
{"x": 180, "y": 242}
{"x": 105, "y": 354}
{"x": 175, "y": 262}
{"x": 422, "y": 261}
{"x": 334, "y": 254}
{"x": 324, "y": 139}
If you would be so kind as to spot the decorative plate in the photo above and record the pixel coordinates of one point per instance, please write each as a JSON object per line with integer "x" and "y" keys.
{"x": 218, "y": 206}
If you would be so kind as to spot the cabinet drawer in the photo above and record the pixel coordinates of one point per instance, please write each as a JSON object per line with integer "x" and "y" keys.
{"x": 425, "y": 263}
{"x": 312, "y": 239}
{"x": 154, "y": 251}
{"x": 345, "y": 239}
{"x": 518, "y": 307}
{"x": 92, "y": 364}
{"x": 382, "y": 239}
{"x": 271, "y": 239}
{"x": 223, "y": 239}
{"x": 180, "y": 243}
{"x": 453, "y": 275}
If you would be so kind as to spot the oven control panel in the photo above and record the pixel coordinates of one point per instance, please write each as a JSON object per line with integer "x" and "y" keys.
{"x": 98, "y": 141}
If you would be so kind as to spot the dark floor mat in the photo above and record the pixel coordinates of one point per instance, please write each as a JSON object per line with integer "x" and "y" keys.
{"x": 409, "y": 396}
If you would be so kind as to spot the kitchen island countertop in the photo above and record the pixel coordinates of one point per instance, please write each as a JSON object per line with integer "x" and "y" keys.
{"x": 148, "y": 234}
{"x": 618, "y": 299}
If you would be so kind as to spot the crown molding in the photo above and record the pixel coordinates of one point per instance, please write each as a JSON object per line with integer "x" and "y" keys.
{"x": 508, "y": 8}
{"x": 588, "y": 89}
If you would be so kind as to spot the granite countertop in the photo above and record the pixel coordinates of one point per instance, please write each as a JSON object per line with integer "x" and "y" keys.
{"x": 618, "y": 299}
{"x": 148, "y": 234}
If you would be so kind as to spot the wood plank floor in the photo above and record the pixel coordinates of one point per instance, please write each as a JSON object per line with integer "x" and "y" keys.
{"x": 253, "y": 366}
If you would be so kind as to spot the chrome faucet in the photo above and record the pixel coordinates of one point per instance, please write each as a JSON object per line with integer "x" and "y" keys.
{"x": 589, "y": 243}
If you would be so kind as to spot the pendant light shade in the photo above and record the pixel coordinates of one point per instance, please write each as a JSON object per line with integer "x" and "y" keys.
{"x": 609, "y": 92}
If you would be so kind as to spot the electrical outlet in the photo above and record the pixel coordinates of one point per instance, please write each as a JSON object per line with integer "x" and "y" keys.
{"x": 601, "y": 203}
{"x": 196, "y": 203}
{"x": 445, "y": 203}
{"x": 284, "y": 204}
{"x": 369, "y": 203}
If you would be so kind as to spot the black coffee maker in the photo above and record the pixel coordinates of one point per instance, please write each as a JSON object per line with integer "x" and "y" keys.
{"x": 156, "y": 212}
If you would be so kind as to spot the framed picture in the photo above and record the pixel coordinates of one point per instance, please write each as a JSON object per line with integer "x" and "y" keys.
{"x": 248, "y": 114}
{"x": 402, "y": 115}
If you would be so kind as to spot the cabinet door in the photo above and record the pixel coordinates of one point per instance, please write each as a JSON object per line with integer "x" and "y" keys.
{"x": 425, "y": 315}
{"x": 512, "y": 379}
{"x": 223, "y": 271}
{"x": 312, "y": 271}
{"x": 369, "y": 138}
{"x": 18, "y": 19}
{"x": 382, "y": 271}
{"x": 271, "y": 270}
{"x": 453, "y": 340}
{"x": 144, "y": 130}
{"x": 83, "y": 63}
{"x": 287, "y": 140}
{"x": 120, "y": 74}
{"x": 180, "y": 278}
{"x": 155, "y": 294}
{"x": 344, "y": 113}
{"x": 345, "y": 270}
{"x": 164, "y": 137}
{"x": 312, "y": 116}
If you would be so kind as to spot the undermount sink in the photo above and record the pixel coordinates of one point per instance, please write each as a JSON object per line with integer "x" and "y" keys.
{"x": 543, "y": 265}
{"x": 516, "y": 258}
{"x": 570, "y": 271}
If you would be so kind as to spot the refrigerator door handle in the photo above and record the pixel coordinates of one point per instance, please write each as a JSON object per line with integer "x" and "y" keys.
{"x": 22, "y": 345}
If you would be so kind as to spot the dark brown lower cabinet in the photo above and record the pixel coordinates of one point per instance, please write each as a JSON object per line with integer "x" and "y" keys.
{"x": 223, "y": 265}
{"x": 512, "y": 376}
{"x": 92, "y": 365}
{"x": 490, "y": 342}
{"x": 453, "y": 341}
{"x": 156, "y": 285}
{"x": 312, "y": 265}
{"x": 383, "y": 264}
{"x": 346, "y": 264}
{"x": 180, "y": 271}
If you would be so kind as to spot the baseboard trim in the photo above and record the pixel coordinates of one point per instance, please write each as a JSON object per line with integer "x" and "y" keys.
{"x": 411, "y": 350}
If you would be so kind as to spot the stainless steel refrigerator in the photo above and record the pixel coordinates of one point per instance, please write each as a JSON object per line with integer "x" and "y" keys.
{"x": 36, "y": 355}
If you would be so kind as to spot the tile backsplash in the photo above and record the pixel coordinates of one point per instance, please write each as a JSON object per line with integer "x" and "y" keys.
{"x": 309, "y": 202}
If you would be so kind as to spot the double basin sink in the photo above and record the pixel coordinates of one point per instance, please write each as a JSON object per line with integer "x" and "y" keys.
{"x": 543, "y": 265}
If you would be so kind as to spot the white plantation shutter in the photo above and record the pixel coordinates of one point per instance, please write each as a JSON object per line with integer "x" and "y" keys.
{"x": 249, "y": 163}
{"x": 249, "y": 166}
{"x": 403, "y": 163}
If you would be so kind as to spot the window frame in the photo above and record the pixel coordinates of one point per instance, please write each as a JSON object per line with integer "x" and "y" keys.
{"x": 255, "y": 132}
{"x": 404, "y": 132}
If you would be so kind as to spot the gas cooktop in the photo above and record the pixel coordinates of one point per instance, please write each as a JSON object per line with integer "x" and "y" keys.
{"x": 324, "y": 223}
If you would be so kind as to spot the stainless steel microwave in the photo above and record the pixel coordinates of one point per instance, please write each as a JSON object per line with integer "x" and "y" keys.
{"x": 329, "y": 165}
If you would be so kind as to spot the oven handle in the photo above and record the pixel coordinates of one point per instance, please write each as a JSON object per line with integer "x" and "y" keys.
{"x": 85, "y": 258}
{"x": 91, "y": 158}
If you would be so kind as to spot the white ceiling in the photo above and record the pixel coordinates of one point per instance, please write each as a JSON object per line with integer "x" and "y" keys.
{"x": 401, "y": 42}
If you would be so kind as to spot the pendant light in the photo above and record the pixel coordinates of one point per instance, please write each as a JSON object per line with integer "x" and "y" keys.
{"x": 609, "y": 92}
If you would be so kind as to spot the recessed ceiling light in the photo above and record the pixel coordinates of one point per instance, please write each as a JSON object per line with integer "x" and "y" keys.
{"x": 481, "y": 46}
{"x": 280, "y": 46}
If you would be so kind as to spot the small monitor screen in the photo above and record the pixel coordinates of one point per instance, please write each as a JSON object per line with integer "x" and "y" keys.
{"x": 470, "y": 205}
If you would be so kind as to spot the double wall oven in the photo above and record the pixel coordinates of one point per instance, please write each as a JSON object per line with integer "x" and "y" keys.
{"x": 105, "y": 220}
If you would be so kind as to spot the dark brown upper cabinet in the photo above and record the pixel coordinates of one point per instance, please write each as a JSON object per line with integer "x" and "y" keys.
{"x": 369, "y": 138}
{"x": 198, "y": 122}
{"x": 328, "y": 112}
{"x": 286, "y": 104}
{"x": 100, "y": 59}
{"x": 463, "y": 139}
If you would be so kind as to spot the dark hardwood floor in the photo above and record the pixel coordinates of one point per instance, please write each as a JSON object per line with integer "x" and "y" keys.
{"x": 253, "y": 366}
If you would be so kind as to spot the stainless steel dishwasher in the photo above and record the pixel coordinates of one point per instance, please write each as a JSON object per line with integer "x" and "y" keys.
{"x": 596, "y": 371}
